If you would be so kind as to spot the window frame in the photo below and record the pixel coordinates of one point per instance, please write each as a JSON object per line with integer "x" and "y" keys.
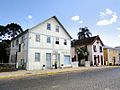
{"x": 17, "y": 42}
{"x": 57, "y": 28}
{"x": 37, "y": 58}
{"x": 48, "y": 26}
{"x": 100, "y": 47}
{"x": 94, "y": 48}
{"x": 48, "y": 39}
{"x": 22, "y": 39}
{"x": 37, "y": 38}
{"x": 65, "y": 42}
{"x": 57, "y": 41}
{"x": 13, "y": 43}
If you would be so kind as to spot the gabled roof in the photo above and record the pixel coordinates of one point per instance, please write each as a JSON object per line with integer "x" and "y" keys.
{"x": 57, "y": 21}
{"x": 40, "y": 24}
{"x": 86, "y": 41}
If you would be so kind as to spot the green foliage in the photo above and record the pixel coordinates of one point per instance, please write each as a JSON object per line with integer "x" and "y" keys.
{"x": 82, "y": 52}
{"x": 13, "y": 30}
{"x": 84, "y": 33}
{"x": 10, "y": 30}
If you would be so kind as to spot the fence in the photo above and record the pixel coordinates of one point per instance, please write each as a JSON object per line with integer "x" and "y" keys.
{"x": 8, "y": 65}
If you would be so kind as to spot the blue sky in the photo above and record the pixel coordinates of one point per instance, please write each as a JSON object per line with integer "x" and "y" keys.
{"x": 100, "y": 16}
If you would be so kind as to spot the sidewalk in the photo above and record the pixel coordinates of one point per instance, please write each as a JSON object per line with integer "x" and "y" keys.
{"x": 24, "y": 73}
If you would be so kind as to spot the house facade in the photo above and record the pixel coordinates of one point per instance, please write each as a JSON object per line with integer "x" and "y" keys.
{"x": 94, "y": 48}
{"x": 111, "y": 56}
{"x": 43, "y": 45}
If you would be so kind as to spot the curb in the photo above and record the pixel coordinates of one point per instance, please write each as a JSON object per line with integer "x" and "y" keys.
{"x": 58, "y": 72}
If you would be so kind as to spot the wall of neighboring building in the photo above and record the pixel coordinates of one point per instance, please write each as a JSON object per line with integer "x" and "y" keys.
{"x": 44, "y": 48}
{"x": 89, "y": 47}
{"x": 113, "y": 56}
{"x": 18, "y": 53}
{"x": 105, "y": 51}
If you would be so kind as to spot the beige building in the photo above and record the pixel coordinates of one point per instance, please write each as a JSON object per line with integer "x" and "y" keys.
{"x": 111, "y": 56}
{"x": 42, "y": 45}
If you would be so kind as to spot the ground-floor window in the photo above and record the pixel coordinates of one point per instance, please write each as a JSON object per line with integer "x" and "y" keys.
{"x": 37, "y": 57}
{"x": 66, "y": 59}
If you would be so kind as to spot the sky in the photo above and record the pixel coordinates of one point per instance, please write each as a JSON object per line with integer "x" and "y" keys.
{"x": 100, "y": 16}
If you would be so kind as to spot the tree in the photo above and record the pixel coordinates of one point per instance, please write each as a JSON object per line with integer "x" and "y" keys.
{"x": 4, "y": 53}
{"x": 84, "y": 33}
{"x": 82, "y": 54}
{"x": 13, "y": 30}
{"x": 2, "y": 31}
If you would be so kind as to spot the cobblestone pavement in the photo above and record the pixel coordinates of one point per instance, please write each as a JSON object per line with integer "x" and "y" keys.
{"x": 103, "y": 79}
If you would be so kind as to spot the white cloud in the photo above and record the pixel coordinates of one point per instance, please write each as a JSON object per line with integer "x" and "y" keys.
{"x": 118, "y": 28}
{"x": 75, "y": 18}
{"x": 119, "y": 36}
{"x": 29, "y": 16}
{"x": 109, "y": 12}
{"x": 108, "y": 17}
{"x": 80, "y": 22}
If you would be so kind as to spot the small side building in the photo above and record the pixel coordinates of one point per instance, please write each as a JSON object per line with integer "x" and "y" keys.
{"x": 94, "y": 47}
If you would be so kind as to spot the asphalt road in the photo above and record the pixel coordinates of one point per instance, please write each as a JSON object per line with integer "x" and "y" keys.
{"x": 105, "y": 79}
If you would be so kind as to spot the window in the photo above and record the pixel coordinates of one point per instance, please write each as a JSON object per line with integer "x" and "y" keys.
{"x": 66, "y": 59}
{"x": 100, "y": 49}
{"x": 65, "y": 42}
{"x": 37, "y": 38}
{"x": 37, "y": 57}
{"x": 22, "y": 39}
{"x": 57, "y": 28}
{"x": 48, "y": 26}
{"x": 94, "y": 48}
{"x": 17, "y": 42}
{"x": 13, "y": 44}
{"x": 19, "y": 50}
{"x": 57, "y": 41}
{"x": 48, "y": 39}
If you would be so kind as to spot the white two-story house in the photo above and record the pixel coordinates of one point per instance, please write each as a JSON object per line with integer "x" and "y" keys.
{"x": 94, "y": 47}
{"x": 42, "y": 45}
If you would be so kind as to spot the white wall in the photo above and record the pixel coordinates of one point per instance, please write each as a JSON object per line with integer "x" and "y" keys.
{"x": 98, "y": 52}
{"x": 43, "y": 47}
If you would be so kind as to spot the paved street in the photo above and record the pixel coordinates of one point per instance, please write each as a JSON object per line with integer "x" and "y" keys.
{"x": 102, "y": 79}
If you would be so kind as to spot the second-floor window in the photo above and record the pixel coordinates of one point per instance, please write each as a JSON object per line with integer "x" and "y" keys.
{"x": 17, "y": 42}
{"x": 65, "y": 42}
{"x": 22, "y": 39}
{"x": 48, "y": 26}
{"x": 100, "y": 48}
{"x": 13, "y": 44}
{"x": 37, "y": 38}
{"x": 57, "y": 28}
{"x": 57, "y": 41}
{"x": 48, "y": 39}
{"x": 94, "y": 48}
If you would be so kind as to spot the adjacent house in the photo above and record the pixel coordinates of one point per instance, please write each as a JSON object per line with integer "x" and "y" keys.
{"x": 45, "y": 44}
{"x": 94, "y": 47}
{"x": 118, "y": 48}
{"x": 111, "y": 56}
